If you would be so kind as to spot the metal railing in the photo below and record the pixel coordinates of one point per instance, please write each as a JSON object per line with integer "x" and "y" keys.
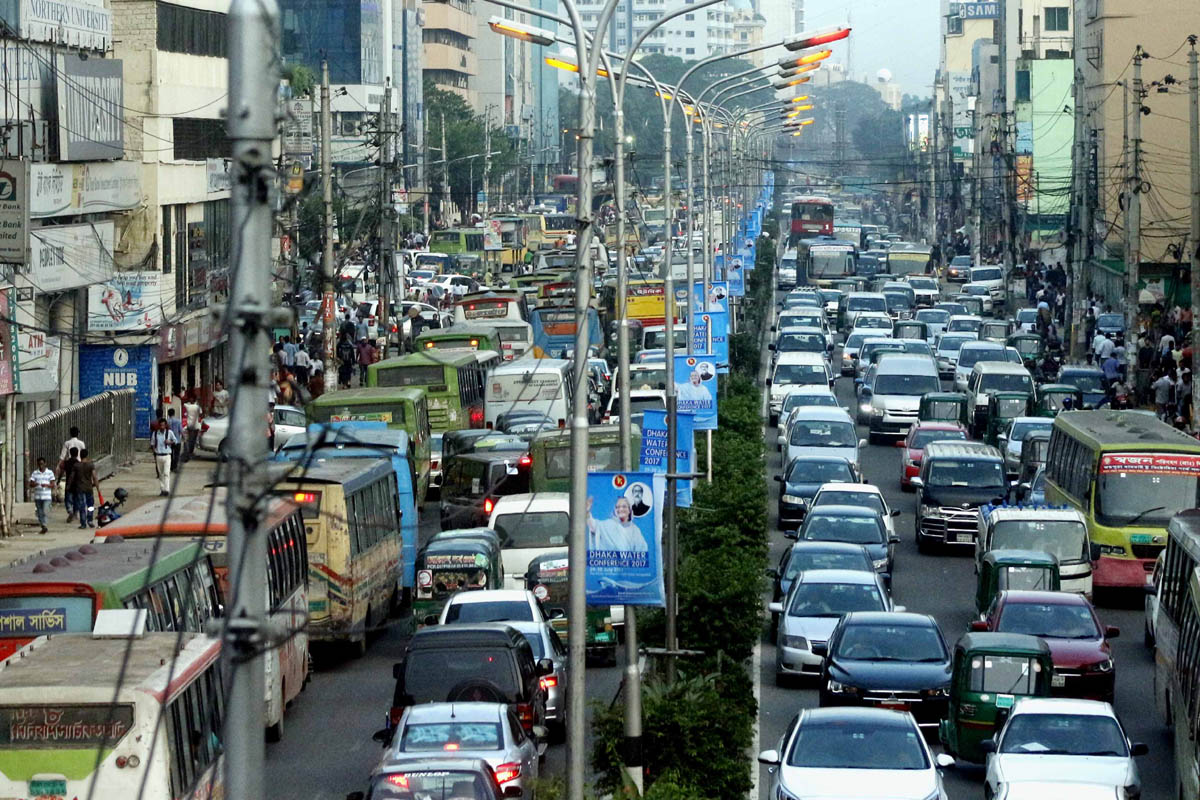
{"x": 105, "y": 424}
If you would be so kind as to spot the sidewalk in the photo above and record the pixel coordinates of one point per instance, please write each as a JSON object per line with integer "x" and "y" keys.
{"x": 139, "y": 479}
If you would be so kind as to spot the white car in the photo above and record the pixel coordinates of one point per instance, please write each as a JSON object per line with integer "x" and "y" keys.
{"x": 993, "y": 278}
{"x": 1062, "y": 739}
{"x": 1011, "y": 439}
{"x": 855, "y": 754}
{"x": 873, "y": 320}
{"x": 492, "y": 605}
{"x": 925, "y": 288}
{"x": 794, "y": 369}
{"x": 935, "y": 320}
{"x": 289, "y": 421}
{"x": 984, "y": 293}
{"x": 821, "y": 431}
{"x": 1040, "y": 790}
{"x": 857, "y": 494}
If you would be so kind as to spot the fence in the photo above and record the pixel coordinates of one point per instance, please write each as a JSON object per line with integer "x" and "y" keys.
{"x": 105, "y": 424}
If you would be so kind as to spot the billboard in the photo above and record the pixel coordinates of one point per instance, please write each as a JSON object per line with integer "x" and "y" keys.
{"x": 696, "y": 388}
{"x": 90, "y": 96}
{"x": 128, "y": 301}
{"x": 69, "y": 256}
{"x": 653, "y": 455}
{"x": 624, "y": 539}
{"x": 14, "y": 211}
{"x": 104, "y": 368}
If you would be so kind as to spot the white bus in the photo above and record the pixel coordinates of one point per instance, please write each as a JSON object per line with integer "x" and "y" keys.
{"x": 112, "y": 718}
{"x": 541, "y": 385}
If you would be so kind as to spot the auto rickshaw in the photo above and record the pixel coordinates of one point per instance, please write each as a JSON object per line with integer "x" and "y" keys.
{"x": 1028, "y": 570}
{"x": 995, "y": 330}
{"x": 943, "y": 407}
{"x": 462, "y": 559}
{"x": 973, "y": 304}
{"x": 910, "y": 329}
{"x": 1003, "y": 407}
{"x": 1031, "y": 346}
{"x": 1034, "y": 449}
{"x": 990, "y": 671}
{"x": 1051, "y": 397}
{"x": 547, "y": 579}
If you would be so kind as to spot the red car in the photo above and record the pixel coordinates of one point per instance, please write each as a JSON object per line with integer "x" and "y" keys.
{"x": 1083, "y": 663}
{"x": 919, "y": 435}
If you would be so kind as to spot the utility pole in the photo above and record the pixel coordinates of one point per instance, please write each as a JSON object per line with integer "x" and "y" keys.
{"x": 445, "y": 176}
{"x": 387, "y": 213}
{"x": 327, "y": 302}
{"x": 487, "y": 162}
{"x": 253, "y": 30}
{"x": 1194, "y": 250}
{"x": 1133, "y": 200}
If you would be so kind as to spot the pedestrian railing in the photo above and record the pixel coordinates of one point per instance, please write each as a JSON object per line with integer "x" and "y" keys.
{"x": 105, "y": 424}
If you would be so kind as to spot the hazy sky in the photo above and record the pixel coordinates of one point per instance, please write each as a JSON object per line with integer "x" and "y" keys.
{"x": 898, "y": 35}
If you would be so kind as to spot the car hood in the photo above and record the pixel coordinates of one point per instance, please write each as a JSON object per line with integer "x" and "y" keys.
{"x": 1075, "y": 653}
{"x": 890, "y": 674}
{"x": 899, "y": 402}
{"x": 954, "y": 496}
{"x": 810, "y": 628}
{"x": 1093, "y": 769}
{"x": 806, "y": 490}
{"x": 848, "y": 453}
{"x": 844, "y": 784}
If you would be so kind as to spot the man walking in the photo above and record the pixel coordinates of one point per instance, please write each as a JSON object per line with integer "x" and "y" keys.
{"x": 193, "y": 416}
{"x": 42, "y": 481}
{"x": 162, "y": 440}
{"x": 84, "y": 480}
{"x": 68, "y": 474}
{"x": 303, "y": 361}
{"x": 59, "y": 470}
{"x": 176, "y": 428}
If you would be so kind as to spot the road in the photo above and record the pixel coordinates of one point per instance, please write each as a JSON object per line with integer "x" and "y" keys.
{"x": 944, "y": 586}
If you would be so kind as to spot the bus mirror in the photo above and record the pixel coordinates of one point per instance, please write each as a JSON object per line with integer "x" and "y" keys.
{"x": 398, "y": 670}
{"x": 1094, "y": 551}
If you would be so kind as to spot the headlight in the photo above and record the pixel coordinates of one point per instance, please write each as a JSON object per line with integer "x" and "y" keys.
{"x": 942, "y": 692}
{"x": 931, "y": 511}
{"x": 865, "y": 407}
{"x": 1112, "y": 550}
{"x": 880, "y": 563}
{"x": 1102, "y": 666}
{"x": 795, "y": 642}
{"x": 794, "y": 499}
{"x": 840, "y": 688}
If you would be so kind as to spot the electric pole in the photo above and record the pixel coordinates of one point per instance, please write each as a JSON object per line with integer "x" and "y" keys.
{"x": 445, "y": 176}
{"x": 1194, "y": 249}
{"x": 387, "y": 214}
{"x": 253, "y": 29}
{"x": 1133, "y": 200}
{"x": 327, "y": 303}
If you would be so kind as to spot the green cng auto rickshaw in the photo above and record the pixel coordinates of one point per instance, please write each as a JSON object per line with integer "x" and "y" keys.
{"x": 1031, "y": 346}
{"x": 547, "y": 579}
{"x": 990, "y": 671}
{"x": 943, "y": 407}
{"x": 995, "y": 330}
{"x": 464, "y": 559}
{"x": 1003, "y": 407}
{"x": 1052, "y": 395}
{"x": 910, "y": 329}
{"x": 1031, "y": 570}
{"x": 973, "y": 304}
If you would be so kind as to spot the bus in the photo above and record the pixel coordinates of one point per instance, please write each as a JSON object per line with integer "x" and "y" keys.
{"x": 452, "y": 382}
{"x": 1129, "y": 474}
{"x": 811, "y": 216}
{"x": 908, "y": 259}
{"x": 822, "y": 262}
{"x": 352, "y": 515}
{"x": 174, "y": 580}
{"x": 466, "y": 336}
{"x": 529, "y": 384}
{"x": 1177, "y": 648}
{"x": 457, "y": 241}
{"x": 201, "y": 519}
{"x": 513, "y": 241}
{"x": 643, "y": 301}
{"x": 550, "y": 453}
{"x": 849, "y": 231}
{"x": 488, "y": 306}
{"x": 554, "y": 331}
{"x": 403, "y": 408}
{"x": 131, "y": 717}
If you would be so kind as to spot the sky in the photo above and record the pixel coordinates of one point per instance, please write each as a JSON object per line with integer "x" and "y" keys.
{"x": 901, "y": 36}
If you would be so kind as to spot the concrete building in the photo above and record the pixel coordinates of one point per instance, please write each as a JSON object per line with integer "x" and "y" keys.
{"x": 693, "y": 36}
{"x": 450, "y": 60}
{"x": 748, "y": 30}
{"x": 504, "y": 89}
{"x": 783, "y": 17}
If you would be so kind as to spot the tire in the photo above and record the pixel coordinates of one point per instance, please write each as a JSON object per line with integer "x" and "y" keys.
{"x": 275, "y": 732}
{"x": 1147, "y": 636}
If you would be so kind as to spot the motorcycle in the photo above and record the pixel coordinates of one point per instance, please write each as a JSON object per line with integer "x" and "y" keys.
{"x": 106, "y": 512}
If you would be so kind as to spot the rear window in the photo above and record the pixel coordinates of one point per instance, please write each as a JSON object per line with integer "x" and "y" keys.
{"x": 494, "y": 611}
{"x": 451, "y": 736}
{"x": 532, "y": 529}
{"x": 430, "y": 675}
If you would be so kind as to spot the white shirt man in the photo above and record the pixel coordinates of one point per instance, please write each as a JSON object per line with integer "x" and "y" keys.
{"x": 1105, "y": 348}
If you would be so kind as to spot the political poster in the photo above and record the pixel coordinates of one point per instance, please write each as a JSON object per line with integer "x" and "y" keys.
{"x": 696, "y": 388}
{"x": 653, "y": 456}
{"x": 624, "y": 539}
{"x": 717, "y": 297}
{"x": 719, "y": 268}
{"x": 737, "y": 278}
{"x": 711, "y": 335}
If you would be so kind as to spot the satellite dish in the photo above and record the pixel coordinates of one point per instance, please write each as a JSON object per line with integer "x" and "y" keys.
{"x": 884, "y": 76}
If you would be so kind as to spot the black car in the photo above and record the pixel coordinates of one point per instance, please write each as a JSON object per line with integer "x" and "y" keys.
{"x": 471, "y": 482}
{"x": 801, "y": 479}
{"x": 1089, "y": 381}
{"x": 803, "y": 556}
{"x": 956, "y": 479}
{"x": 861, "y": 525}
{"x": 893, "y": 660}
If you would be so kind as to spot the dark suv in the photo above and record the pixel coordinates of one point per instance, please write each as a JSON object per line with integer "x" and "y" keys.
{"x": 471, "y": 482}
{"x": 956, "y": 478}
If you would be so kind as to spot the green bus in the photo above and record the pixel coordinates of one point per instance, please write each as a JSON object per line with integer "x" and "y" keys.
{"x": 456, "y": 241}
{"x": 402, "y": 408}
{"x": 460, "y": 337}
{"x": 452, "y": 381}
{"x": 1128, "y": 473}
{"x": 551, "y": 454}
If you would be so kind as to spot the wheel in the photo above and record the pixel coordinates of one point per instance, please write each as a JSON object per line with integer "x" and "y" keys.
{"x": 1147, "y": 636}
{"x": 275, "y": 732}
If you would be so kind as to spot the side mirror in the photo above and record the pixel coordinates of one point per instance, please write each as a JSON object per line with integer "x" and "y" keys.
{"x": 862, "y": 442}
{"x": 988, "y": 745}
{"x": 778, "y": 479}
{"x": 780, "y": 442}
{"x": 1138, "y": 749}
{"x": 383, "y": 736}
{"x": 557, "y": 613}
{"x": 900, "y": 443}
{"x": 791, "y": 534}
{"x": 899, "y": 609}
{"x": 1094, "y": 551}
{"x": 893, "y": 539}
{"x": 769, "y": 757}
{"x": 430, "y": 619}
{"x": 775, "y": 608}
{"x": 541, "y": 732}
{"x": 773, "y": 327}
{"x": 944, "y": 760}
{"x": 1111, "y": 631}
{"x": 820, "y": 648}
{"x": 979, "y": 626}
{"x": 768, "y": 381}
{"x": 398, "y": 670}
{"x": 772, "y": 573}
{"x": 859, "y": 382}
{"x": 895, "y": 512}
{"x": 1150, "y": 589}
{"x": 544, "y": 667}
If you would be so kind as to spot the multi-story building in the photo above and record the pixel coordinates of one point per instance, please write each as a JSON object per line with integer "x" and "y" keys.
{"x": 449, "y": 34}
{"x": 748, "y": 29}
{"x": 783, "y": 17}
{"x": 695, "y": 35}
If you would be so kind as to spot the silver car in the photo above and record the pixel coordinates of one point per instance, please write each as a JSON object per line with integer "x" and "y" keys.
{"x": 546, "y": 644}
{"x": 487, "y": 731}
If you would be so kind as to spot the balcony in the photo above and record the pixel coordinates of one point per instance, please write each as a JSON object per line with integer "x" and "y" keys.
{"x": 451, "y": 59}
{"x": 448, "y": 16}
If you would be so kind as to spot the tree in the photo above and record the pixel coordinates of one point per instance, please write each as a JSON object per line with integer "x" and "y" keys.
{"x": 300, "y": 78}
{"x": 466, "y": 134}
{"x": 880, "y": 136}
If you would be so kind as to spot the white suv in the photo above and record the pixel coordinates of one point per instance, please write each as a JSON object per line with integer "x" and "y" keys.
{"x": 993, "y": 278}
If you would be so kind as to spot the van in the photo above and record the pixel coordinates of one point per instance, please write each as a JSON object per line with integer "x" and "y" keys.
{"x": 529, "y": 384}
{"x": 895, "y": 395}
{"x": 994, "y": 376}
{"x": 491, "y": 662}
{"x": 821, "y": 431}
{"x": 796, "y": 369}
{"x": 786, "y": 277}
{"x": 972, "y": 353}
{"x": 956, "y": 479}
{"x": 472, "y": 483}
{"x": 1061, "y": 532}
{"x": 529, "y": 525}
{"x": 858, "y": 302}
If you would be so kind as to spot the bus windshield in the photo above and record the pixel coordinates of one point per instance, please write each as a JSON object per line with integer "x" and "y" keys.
{"x": 1062, "y": 538}
{"x": 826, "y": 263}
{"x": 1146, "y": 489}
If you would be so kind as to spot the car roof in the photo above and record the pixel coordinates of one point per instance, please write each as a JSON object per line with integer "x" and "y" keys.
{"x": 535, "y": 502}
{"x": 490, "y": 596}
{"x": 825, "y": 546}
{"x": 891, "y": 363}
{"x": 1062, "y": 705}
{"x": 809, "y": 329}
{"x": 855, "y": 576}
{"x": 936, "y": 425}
{"x": 906, "y": 619}
{"x": 827, "y": 414}
{"x": 800, "y": 357}
{"x": 460, "y": 712}
{"x": 862, "y": 488}
{"x": 842, "y": 510}
{"x": 809, "y": 459}
{"x": 1000, "y": 366}
{"x": 877, "y": 717}
{"x": 810, "y": 388}
{"x": 1018, "y": 596}
{"x": 962, "y": 450}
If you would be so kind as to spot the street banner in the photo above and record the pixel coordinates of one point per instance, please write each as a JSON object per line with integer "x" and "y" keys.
{"x": 696, "y": 388}
{"x": 711, "y": 335}
{"x": 737, "y": 277}
{"x": 719, "y": 268}
{"x": 653, "y": 457}
{"x": 718, "y": 297}
{"x": 624, "y": 539}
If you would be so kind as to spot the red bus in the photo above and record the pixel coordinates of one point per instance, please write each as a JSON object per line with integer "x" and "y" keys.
{"x": 811, "y": 216}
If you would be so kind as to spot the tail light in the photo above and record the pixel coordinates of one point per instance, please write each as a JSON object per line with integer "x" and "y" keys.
{"x": 488, "y": 505}
{"x": 562, "y": 423}
{"x": 548, "y": 681}
{"x": 395, "y": 715}
{"x": 525, "y": 714}
{"x": 525, "y": 460}
{"x": 507, "y": 772}
{"x": 434, "y": 463}
{"x": 476, "y": 417}
{"x": 399, "y": 781}
{"x": 204, "y": 428}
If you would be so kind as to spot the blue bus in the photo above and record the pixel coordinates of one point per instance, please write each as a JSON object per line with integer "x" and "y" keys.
{"x": 368, "y": 440}
{"x": 554, "y": 331}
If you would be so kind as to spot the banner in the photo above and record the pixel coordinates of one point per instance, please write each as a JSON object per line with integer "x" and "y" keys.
{"x": 711, "y": 335}
{"x": 737, "y": 278}
{"x": 718, "y": 297}
{"x": 624, "y": 540}
{"x": 653, "y": 457}
{"x": 696, "y": 388}
{"x": 719, "y": 268}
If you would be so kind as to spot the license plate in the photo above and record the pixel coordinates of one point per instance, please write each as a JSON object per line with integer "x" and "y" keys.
{"x": 1141, "y": 538}
{"x": 1058, "y": 681}
{"x": 895, "y": 706}
{"x": 43, "y": 787}
{"x": 964, "y": 538}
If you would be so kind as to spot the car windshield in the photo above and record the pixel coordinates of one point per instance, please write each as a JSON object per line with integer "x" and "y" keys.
{"x": 801, "y": 343}
{"x": 1004, "y": 674}
{"x": 870, "y": 349}
{"x": 1027, "y": 315}
{"x": 933, "y": 316}
{"x": 802, "y": 560}
{"x": 834, "y": 599}
{"x": 976, "y": 290}
{"x": 649, "y": 378}
{"x": 800, "y": 374}
{"x": 837, "y": 528}
{"x": 1086, "y": 382}
{"x": 1005, "y": 382}
{"x": 988, "y": 274}
{"x": 968, "y": 356}
{"x": 881, "y": 323}
{"x": 803, "y": 471}
{"x": 854, "y": 744}
{"x": 801, "y": 319}
{"x": 640, "y": 405}
{"x": 906, "y": 385}
{"x": 873, "y": 642}
{"x": 1064, "y": 734}
{"x": 923, "y": 283}
{"x": 897, "y": 301}
{"x": 950, "y": 345}
{"x": 1111, "y": 321}
{"x": 1055, "y": 620}
{"x": 921, "y": 438}
{"x": 838, "y": 497}
{"x": 808, "y": 399}
{"x": 1062, "y": 538}
{"x": 917, "y": 347}
{"x": 975, "y": 474}
{"x": 1021, "y": 429}
{"x": 823, "y": 433}
{"x": 495, "y": 611}
{"x": 449, "y": 736}
{"x": 532, "y": 529}
{"x": 830, "y": 295}
{"x": 952, "y": 308}
{"x": 866, "y": 304}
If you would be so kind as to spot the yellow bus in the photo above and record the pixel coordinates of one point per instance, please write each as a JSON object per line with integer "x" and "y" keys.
{"x": 351, "y": 513}
{"x": 1129, "y": 474}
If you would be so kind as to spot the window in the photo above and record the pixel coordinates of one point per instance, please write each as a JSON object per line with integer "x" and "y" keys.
{"x": 1057, "y": 18}
{"x": 691, "y": 51}
{"x": 689, "y": 16}
{"x": 199, "y": 139}
{"x": 190, "y": 31}
{"x": 1023, "y": 85}
{"x": 194, "y": 720}
{"x": 690, "y": 34}
{"x": 954, "y": 25}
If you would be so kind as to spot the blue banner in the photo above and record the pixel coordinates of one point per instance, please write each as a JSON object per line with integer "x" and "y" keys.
{"x": 737, "y": 277}
{"x": 696, "y": 388}
{"x": 718, "y": 298}
{"x": 624, "y": 542}
{"x": 711, "y": 335}
{"x": 719, "y": 268}
{"x": 33, "y": 621}
{"x": 654, "y": 450}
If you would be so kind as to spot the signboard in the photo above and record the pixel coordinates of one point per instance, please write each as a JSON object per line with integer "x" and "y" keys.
{"x": 106, "y": 368}
{"x": 69, "y": 256}
{"x": 718, "y": 297}
{"x": 76, "y": 23}
{"x": 38, "y": 361}
{"x": 295, "y": 178}
{"x": 976, "y": 10}
{"x": 63, "y": 726}
{"x": 60, "y": 190}
{"x": 736, "y": 276}
{"x": 1024, "y": 138}
{"x": 216, "y": 175}
{"x": 492, "y": 237}
{"x": 1150, "y": 464}
{"x": 624, "y": 539}
{"x": 298, "y": 128}
{"x": 91, "y": 96}
{"x": 711, "y": 335}
{"x": 128, "y": 301}
{"x": 36, "y": 621}
{"x": 14, "y": 211}
{"x": 1025, "y": 187}
{"x": 696, "y": 388}
{"x": 653, "y": 456}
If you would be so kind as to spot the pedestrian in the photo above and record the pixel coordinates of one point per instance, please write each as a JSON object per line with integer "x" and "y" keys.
{"x": 220, "y": 400}
{"x": 68, "y": 473}
{"x": 1112, "y": 370}
{"x": 1163, "y": 388}
{"x": 289, "y": 352}
{"x": 346, "y": 355}
{"x": 176, "y": 428}
{"x": 366, "y": 357}
{"x": 303, "y": 362}
{"x": 85, "y": 482}
{"x": 1183, "y": 391}
{"x": 162, "y": 440}
{"x": 42, "y": 480}
{"x": 194, "y": 417}
{"x": 316, "y": 381}
{"x": 73, "y": 441}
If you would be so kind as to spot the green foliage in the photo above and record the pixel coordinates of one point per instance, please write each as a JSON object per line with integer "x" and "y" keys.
{"x": 881, "y": 135}
{"x": 300, "y": 78}
{"x": 466, "y": 134}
